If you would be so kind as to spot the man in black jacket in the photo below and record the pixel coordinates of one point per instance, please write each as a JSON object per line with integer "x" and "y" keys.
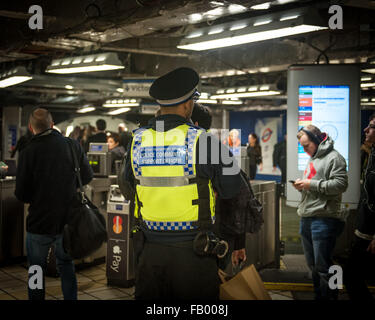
{"x": 361, "y": 263}
{"x": 100, "y": 136}
{"x": 46, "y": 180}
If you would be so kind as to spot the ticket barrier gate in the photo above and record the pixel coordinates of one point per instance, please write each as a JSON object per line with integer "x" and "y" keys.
{"x": 120, "y": 257}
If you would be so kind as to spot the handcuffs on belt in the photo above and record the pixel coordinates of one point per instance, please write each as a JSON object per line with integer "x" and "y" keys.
{"x": 207, "y": 244}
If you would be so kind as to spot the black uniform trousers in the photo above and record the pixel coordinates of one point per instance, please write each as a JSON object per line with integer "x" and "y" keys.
{"x": 359, "y": 268}
{"x": 172, "y": 271}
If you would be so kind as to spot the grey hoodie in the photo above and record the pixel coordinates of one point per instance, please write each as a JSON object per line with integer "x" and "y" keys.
{"x": 329, "y": 180}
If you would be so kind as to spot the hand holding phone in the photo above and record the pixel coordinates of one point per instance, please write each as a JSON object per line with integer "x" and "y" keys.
{"x": 292, "y": 181}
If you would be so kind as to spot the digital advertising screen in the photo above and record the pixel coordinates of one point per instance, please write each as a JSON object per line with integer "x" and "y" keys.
{"x": 326, "y": 107}
{"x": 328, "y": 97}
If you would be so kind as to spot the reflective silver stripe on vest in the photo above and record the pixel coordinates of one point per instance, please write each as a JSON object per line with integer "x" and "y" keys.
{"x": 189, "y": 142}
{"x": 164, "y": 181}
{"x": 136, "y": 150}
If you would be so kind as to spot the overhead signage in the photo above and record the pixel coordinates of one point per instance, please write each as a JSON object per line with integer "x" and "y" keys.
{"x": 137, "y": 88}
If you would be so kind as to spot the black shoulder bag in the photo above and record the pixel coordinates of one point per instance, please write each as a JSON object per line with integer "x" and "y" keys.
{"x": 85, "y": 230}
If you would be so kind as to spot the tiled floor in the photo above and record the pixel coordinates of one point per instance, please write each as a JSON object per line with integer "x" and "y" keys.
{"x": 92, "y": 285}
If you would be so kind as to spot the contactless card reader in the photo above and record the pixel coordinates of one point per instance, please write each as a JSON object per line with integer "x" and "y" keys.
{"x": 120, "y": 261}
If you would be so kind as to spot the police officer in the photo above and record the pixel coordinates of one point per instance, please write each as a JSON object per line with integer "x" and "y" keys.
{"x": 174, "y": 202}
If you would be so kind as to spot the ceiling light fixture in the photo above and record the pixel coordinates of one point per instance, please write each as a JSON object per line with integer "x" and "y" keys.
{"x": 366, "y": 78}
{"x": 209, "y": 101}
{"x": 263, "y": 6}
{"x": 85, "y": 109}
{"x": 118, "y": 111}
{"x": 14, "y": 76}
{"x": 368, "y": 85}
{"x": 236, "y": 8}
{"x": 370, "y": 68}
{"x": 241, "y": 92}
{"x": 233, "y": 102}
{"x": 121, "y": 103}
{"x": 90, "y": 63}
{"x": 267, "y": 27}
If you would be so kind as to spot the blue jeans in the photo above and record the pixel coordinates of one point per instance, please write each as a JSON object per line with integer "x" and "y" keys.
{"x": 37, "y": 247}
{"x": 319, "y": 239}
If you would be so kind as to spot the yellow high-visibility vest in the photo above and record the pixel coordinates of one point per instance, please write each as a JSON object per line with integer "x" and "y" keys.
{"x": 163, "y": 164}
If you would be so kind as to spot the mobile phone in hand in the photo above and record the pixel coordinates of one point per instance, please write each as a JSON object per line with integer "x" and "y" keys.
{"x": 292, "y": 181}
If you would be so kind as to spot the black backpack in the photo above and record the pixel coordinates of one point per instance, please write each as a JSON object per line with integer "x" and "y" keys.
{"x": 243, "y": 213}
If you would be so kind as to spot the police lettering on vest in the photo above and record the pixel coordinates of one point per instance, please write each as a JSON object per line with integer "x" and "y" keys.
{"x": 163, "y": 164}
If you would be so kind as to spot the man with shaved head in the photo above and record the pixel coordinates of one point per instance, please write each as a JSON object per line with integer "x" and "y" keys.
{"x": 46, "y": 180}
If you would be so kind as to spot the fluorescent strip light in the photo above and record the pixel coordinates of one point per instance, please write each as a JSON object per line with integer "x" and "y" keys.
{"x": 262, "y": 22}
{"x": 195, "y": 35}
{"x": 368, "y": 104}
{"x": 89, "y": 63}
{"x": 118, "y": 111}
{"x": 13, "y": 81}
{"x": 219, "y": 11}
{"x": 289, "y": 18}
{"x": 369, "y": 84}
{"x": 84, "y": 110}
{"x": 238, "y": 27}
{"x": 216, "y": 3}
{"x": 263, "y": 6}
{"x": 120, "y": 90}
{"x": 14, "y": 76}
{"x": 251, "y": 37}
{"x": 364, "y": 99}
{"x": 366, "y": 78}
{"x": 236, "y": 8}
{"x": 371, "y": 70}
{"x": 231, "y": 102}
{"x": 116, "y": 105}
{"x": 245, "y": 95}
{"x": 216, "y": 31}
{"x": 103, "y": 67}
{"x": 211, "y": 101}
{"x": 195, "y": 17}
{"x": 69, "y": 87}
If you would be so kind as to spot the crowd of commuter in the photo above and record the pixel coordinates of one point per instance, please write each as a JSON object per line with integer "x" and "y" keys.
{"x": 174, "y": 203}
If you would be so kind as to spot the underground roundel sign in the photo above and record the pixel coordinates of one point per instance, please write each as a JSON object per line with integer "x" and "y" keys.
{"x": 117, "y": 224}
{"x": 266, "y": 135}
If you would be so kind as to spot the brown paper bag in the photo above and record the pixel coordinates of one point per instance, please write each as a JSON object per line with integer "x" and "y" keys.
{"x": 246, "y": 285}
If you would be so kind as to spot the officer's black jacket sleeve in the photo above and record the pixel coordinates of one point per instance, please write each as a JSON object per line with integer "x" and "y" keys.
{"x": 216, "y": 162}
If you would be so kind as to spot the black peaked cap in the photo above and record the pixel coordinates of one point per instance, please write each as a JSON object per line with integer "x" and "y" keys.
{"x": 174, "y": 85}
